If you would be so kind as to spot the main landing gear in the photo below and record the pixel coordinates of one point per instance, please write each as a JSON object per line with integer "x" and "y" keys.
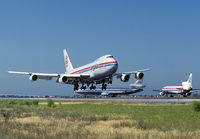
{"x": 92, "y": 86}
{"x": 104, "y": 86}
{"x": 83, "y": 87}
{"x": 76, "y": 86}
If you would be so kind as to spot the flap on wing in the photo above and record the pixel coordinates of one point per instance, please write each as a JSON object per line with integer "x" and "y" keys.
{"x": 131, "y": 72}
{"x": 157, "y": 90}
{"x": 49, "y": 75}
{"x": 40, "y": 75}
{"x": 16, "y": 72}
{"x": 195, "y": 90}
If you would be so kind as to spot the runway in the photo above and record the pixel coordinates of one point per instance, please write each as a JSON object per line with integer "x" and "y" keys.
{"x": 159, "y": 101}
{"x": 147, "y": 101}
{"x": 132, "y": 100}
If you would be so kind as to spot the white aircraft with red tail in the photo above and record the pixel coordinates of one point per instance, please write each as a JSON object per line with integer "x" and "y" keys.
{"x": 101, "y": 71}
{"x": 185, "y": 90}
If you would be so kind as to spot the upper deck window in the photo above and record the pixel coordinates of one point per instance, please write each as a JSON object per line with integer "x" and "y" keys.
{"x": 109, "y": 57}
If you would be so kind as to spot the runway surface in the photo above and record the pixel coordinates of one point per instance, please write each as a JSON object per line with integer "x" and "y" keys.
{"x": 133, "y": 100}
{"x": 148, "y": 101}
{"x": 138, "y": 100}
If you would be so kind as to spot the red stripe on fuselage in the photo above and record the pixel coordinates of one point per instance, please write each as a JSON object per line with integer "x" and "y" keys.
{"x": 90, "y": 67}
{"x": 80, "y": 70}
{"x": 107, "y": 63}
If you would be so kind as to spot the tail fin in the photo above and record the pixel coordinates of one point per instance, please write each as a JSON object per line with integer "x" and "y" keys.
{"x": 68, "y": 64}
{"x": 137, "y": 85}
{"x": 190, "y": 78}
{"x": 139, "y": 81}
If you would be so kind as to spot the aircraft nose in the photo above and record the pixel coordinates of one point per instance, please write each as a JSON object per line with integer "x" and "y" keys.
{"x": 116, "y": 62}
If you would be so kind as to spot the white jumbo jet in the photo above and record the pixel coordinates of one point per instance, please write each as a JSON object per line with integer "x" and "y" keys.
{"x": 101, "y": 71}
{"x": 185, "y": 90}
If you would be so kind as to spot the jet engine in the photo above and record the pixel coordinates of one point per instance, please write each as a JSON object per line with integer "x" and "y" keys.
{"x": 33, "y": 78}
{"x": 139, "y": 75}
{"x": 162, "y": 93}
{"x": 187, "y": 85}
{"x": 188, "y": 94}
{"x": 62, "y": 79}
{"x": 125, "y": 77}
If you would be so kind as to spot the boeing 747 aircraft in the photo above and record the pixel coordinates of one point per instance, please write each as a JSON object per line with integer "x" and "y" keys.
{"x": 101, "y": 71}
{"x": 185, "y": 90}
{"x": 113, "y": 92}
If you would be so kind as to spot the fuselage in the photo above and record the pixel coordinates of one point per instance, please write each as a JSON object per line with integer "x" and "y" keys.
{"x": 104, "y": 66}
{"x": 110, "y": 91}
{"x": 174, "y": 89}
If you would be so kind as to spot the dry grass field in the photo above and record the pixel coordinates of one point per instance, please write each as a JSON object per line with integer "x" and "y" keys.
{"x": 23, "y": 119}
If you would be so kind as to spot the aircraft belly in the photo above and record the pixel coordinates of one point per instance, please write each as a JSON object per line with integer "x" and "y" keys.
{"x": 102, "y": 73}
{"x": 90, "y": 92}
{"x": 175, "y": 92}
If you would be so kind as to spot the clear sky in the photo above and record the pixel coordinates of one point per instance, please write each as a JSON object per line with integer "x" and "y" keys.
{"x": 161, "y": 35}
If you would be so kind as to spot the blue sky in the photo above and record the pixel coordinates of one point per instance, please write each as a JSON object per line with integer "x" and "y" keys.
{"x": 161, "y": 35}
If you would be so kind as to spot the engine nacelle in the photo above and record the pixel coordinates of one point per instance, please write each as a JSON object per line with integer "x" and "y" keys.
{"x": 162, "y": 93}
{"x": 186, "y": 85}
{"x": 62, "y": 79}
{"x": 188, "y": 94}
{"x": 139, "y": 75}
{"x": 125, "y": 77}
{"x": 33, "y": 78}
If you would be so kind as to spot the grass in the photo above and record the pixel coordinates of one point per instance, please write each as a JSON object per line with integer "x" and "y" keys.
{"x": 90, "y": 119}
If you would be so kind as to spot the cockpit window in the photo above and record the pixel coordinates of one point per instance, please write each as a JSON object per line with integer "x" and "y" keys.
{"x": 109, "y": 57}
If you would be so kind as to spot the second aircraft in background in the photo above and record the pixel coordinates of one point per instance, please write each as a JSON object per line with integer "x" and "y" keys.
{"x": 185, "y": 90}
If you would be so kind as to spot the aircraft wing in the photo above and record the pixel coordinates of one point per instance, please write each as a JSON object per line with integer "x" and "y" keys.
{"x": 45, "y": 76}
{"x": 131, "y": 72}
{"x": 195, "y": 90}
{"x": 157, "y": 90}
{"x": 49, "y": 76}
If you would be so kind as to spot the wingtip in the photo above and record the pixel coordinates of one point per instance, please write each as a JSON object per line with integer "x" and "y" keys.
{"x": 9, "y": 71}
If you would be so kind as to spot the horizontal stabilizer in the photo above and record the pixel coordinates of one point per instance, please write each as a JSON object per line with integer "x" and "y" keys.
{"x": 157, "y": 90}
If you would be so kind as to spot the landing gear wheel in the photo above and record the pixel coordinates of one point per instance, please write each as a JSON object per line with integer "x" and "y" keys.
{"x": 83, "y": 87}
{"x": 92, "y": 87}
{"x": 104, "y": 86}
{"x": 76, "y": 86}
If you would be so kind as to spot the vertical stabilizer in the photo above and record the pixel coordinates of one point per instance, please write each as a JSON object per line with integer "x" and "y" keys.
{"x": 68, "y": 64}
{"x": 190, "y": 78}
{"x": 137, "y": 85}
{"x": 188, "y": 84}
